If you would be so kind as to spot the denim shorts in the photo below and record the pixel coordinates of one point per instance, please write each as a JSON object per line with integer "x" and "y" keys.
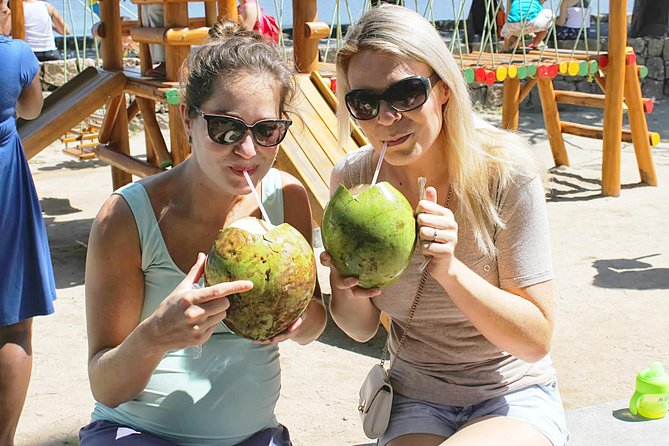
{"x": 538, "y": 406}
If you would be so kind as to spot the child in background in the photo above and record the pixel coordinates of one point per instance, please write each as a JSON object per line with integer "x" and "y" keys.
{"x": 573, "y": 15}
{"x": 252, "y": 17}
{"x": 526, "y": 17}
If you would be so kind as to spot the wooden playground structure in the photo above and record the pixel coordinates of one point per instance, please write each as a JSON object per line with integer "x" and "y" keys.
{"x": 311, "y": 149}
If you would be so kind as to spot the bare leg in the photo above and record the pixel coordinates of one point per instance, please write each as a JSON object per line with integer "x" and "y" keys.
{"x": 510, "y": 43}
{"x": 498, "y": 431}
{"x": 539, "y": 37}
{"x": 15, "y": 367}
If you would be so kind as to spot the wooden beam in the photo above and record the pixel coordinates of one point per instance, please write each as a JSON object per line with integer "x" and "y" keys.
{"x": 527, "y": 88}
{"x": 639, "y": 126}
{"x": 305, "y": 48}
{"x": 552, "y": 121}
{"x": 510, "y": 103}
{"x": 125, "y": 162}
{"x": 594, "y": 132}
{"x": 110, "y": 46}
{"x": 114, "y": 105}
{"x": 151, "y": 126}
{"x": 613, "y": 104}
{"x": 176, "y": 16}
{"x": 579, "y": 98}
{"x": 18, "y": 20}
{"x": 170, "y": 36}
{"x": 67, "y": 106}
{"x": 209, "y": 15}
{"x": 144, "y": 90}
{"x": 227, "y": 9}
{"x": 132, "y": 110}
{"x": 329, "y": 96}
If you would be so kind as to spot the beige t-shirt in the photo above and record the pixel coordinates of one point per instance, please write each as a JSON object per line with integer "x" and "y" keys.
{"x": 445, "y": 359}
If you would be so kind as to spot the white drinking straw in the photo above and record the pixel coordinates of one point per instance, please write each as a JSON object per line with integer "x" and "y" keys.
{"x": 421, "y": 195}
{"x": 378, "y": 164}
{"x": 255, "y": 194}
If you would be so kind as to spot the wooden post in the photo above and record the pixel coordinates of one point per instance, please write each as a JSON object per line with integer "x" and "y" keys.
{"x": 210, "y": 14}
{"x": 18, "y": 21}
{"x": 176, "y": 16}
{"x": 227, "y": 9}
{"x": 552, "y": 121}
{"x": 613, "y": 103}
{"x": 151, "y": 127}
{"x": 638, "y": 126}
{"x": 306, "y": 50}
{"x": 510, "y": 103}
{"x": 112, "y": 60}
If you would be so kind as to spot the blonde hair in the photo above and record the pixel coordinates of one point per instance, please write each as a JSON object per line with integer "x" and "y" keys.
{"x": 481, "y": 161}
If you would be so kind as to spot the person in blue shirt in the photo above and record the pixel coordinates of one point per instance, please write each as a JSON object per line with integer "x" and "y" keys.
{"x": 27, "y": 285}
{"x": 163, "y": 367}
{"x": 526, "y": 17}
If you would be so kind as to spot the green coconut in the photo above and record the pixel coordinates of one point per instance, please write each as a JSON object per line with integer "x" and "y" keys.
{"x": 280, "y": 263}
{"x": 370, "y": 232}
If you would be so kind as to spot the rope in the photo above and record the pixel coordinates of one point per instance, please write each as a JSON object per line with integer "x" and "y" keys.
{"x": 74, "y": 34}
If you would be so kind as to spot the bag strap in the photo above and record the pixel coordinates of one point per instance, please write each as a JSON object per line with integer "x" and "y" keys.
{"x": 414, "y": 306}
{"x": 412, "y": 313}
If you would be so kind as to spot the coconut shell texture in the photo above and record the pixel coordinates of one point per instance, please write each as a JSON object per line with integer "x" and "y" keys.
{"x": 370, "y": 236}
{"x": 282, "y": 267}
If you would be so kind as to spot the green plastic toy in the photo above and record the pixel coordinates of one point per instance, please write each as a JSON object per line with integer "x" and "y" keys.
{"x": 651, "y": 397}
{"x": 172, "y": 96}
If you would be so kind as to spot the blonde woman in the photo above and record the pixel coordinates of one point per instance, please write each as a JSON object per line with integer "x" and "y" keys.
{"x": 475, "y": 368}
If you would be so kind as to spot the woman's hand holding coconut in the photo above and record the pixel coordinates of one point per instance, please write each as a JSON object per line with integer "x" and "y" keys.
{"x": 189, "y": 315}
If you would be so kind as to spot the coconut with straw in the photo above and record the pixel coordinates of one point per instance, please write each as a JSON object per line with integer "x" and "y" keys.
{"x": 280, "y": 263}
{"x": 369, "y": 231}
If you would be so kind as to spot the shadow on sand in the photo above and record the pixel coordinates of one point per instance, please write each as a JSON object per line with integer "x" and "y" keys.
{"x": 73, "y": 165}
{"x": 68, "y": 242}
{"x": 630, "y": 274}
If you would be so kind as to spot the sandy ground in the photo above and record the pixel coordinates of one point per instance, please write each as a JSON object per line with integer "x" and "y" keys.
{"x": 612, "y": 273}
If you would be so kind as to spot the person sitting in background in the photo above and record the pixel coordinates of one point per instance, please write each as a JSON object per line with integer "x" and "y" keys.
{"x": 573, "y": 15}
{"x": 152, "y": 17}
{"x": 526, "y": 17}
{"x": 252, "y": 17}
{"x": 41, "y": 20}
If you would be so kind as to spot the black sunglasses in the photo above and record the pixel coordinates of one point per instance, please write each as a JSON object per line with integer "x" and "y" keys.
{"x": 228, "y": 130}
{"x": 404, "y": 95}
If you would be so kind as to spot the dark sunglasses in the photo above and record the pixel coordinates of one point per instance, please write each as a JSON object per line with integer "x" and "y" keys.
{"x": 405, "y": 95}
{"x": 228, "y": 130}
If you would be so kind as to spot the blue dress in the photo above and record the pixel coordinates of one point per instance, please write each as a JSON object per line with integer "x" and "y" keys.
{"x": 27, "y": 286}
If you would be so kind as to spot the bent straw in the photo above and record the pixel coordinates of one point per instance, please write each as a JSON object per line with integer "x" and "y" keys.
{"x": 257, "y": 197}
{"x": 378, "y": 164}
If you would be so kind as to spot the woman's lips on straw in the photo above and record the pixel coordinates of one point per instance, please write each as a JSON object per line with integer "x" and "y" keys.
{"x": 395, "y": 142}
{"x": 240, "y": 171}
